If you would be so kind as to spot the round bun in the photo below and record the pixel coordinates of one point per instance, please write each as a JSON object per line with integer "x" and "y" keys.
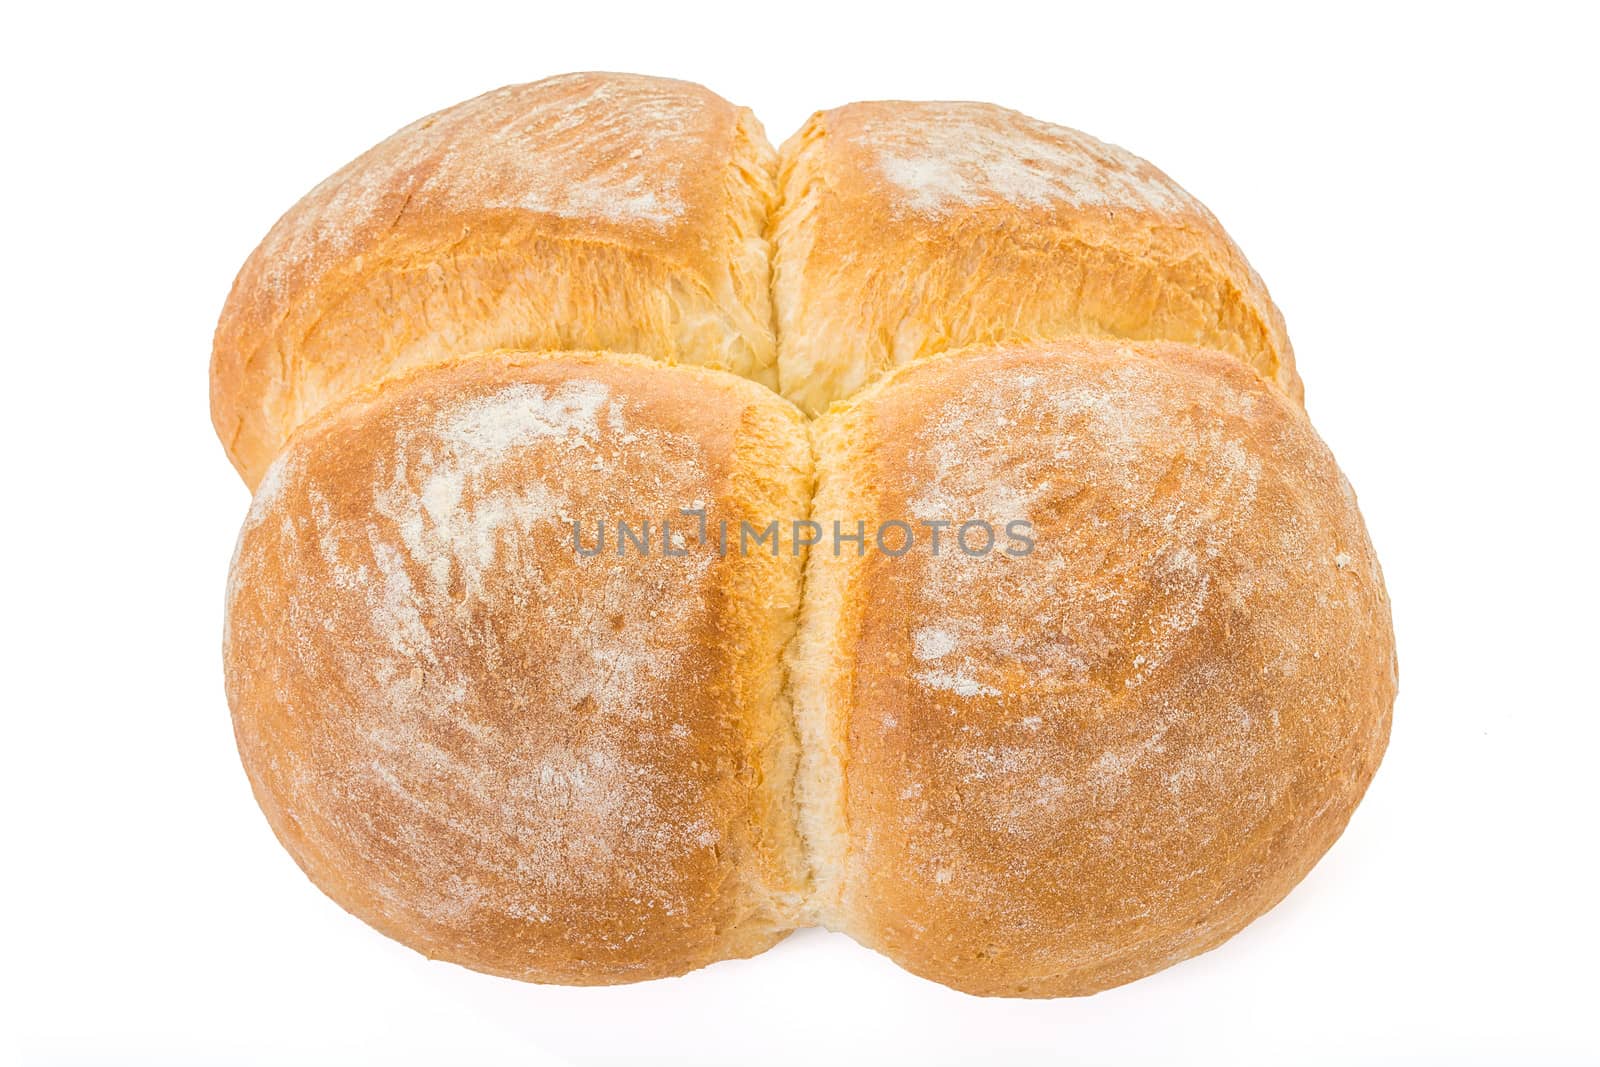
{"x": 911, "y": 228}
{"x": 1050, "y": 772}
{"x": 550, "y": 402}
{"x": 507, "y": 755}
{"x": 590, "y": 211}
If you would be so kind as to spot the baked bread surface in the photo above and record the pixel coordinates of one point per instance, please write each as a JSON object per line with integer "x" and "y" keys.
{"x": 907, "y": 228}
{"x": 505, "y": 754}
{"x": 1047, "y": 772}
{"x": 605, "y": 298}
{"x": 588, "y": 211}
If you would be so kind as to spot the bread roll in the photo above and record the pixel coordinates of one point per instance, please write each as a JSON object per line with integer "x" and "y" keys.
{"x": 1101, "y": 744}
{"x": 604, "y": 211}
{"x": 1049, "y": 772}
{"x": 910, "y": 228}
{"x": 505, "y": 754}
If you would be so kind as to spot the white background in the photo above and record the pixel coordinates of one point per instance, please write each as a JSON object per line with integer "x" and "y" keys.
{"x": 1418, "y": 188}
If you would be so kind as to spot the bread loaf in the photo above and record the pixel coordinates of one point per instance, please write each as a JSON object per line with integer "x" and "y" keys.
{"x": 552, "y": 400}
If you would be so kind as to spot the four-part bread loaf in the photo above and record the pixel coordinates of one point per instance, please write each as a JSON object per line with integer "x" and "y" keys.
{"x": 661, "y": 543}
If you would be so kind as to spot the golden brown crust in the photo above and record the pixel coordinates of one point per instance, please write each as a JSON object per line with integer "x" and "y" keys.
{"x": 1054, "y": 772}
{"x": 909, "y": 228}
{"x": 604, "y": 211}
{"x": 1034, "y": 774}
{"x": 506, "y": 755}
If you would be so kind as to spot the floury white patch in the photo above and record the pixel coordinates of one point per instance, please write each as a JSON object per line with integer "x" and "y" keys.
{"x": 693, "y": 532}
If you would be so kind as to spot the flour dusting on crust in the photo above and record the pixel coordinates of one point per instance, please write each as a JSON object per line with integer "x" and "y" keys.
{"x": 1093, "y": 744}
{"x": 948, "y": 157}
{"x": 606, "y": 149}
{"x": 503, "y": 730}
